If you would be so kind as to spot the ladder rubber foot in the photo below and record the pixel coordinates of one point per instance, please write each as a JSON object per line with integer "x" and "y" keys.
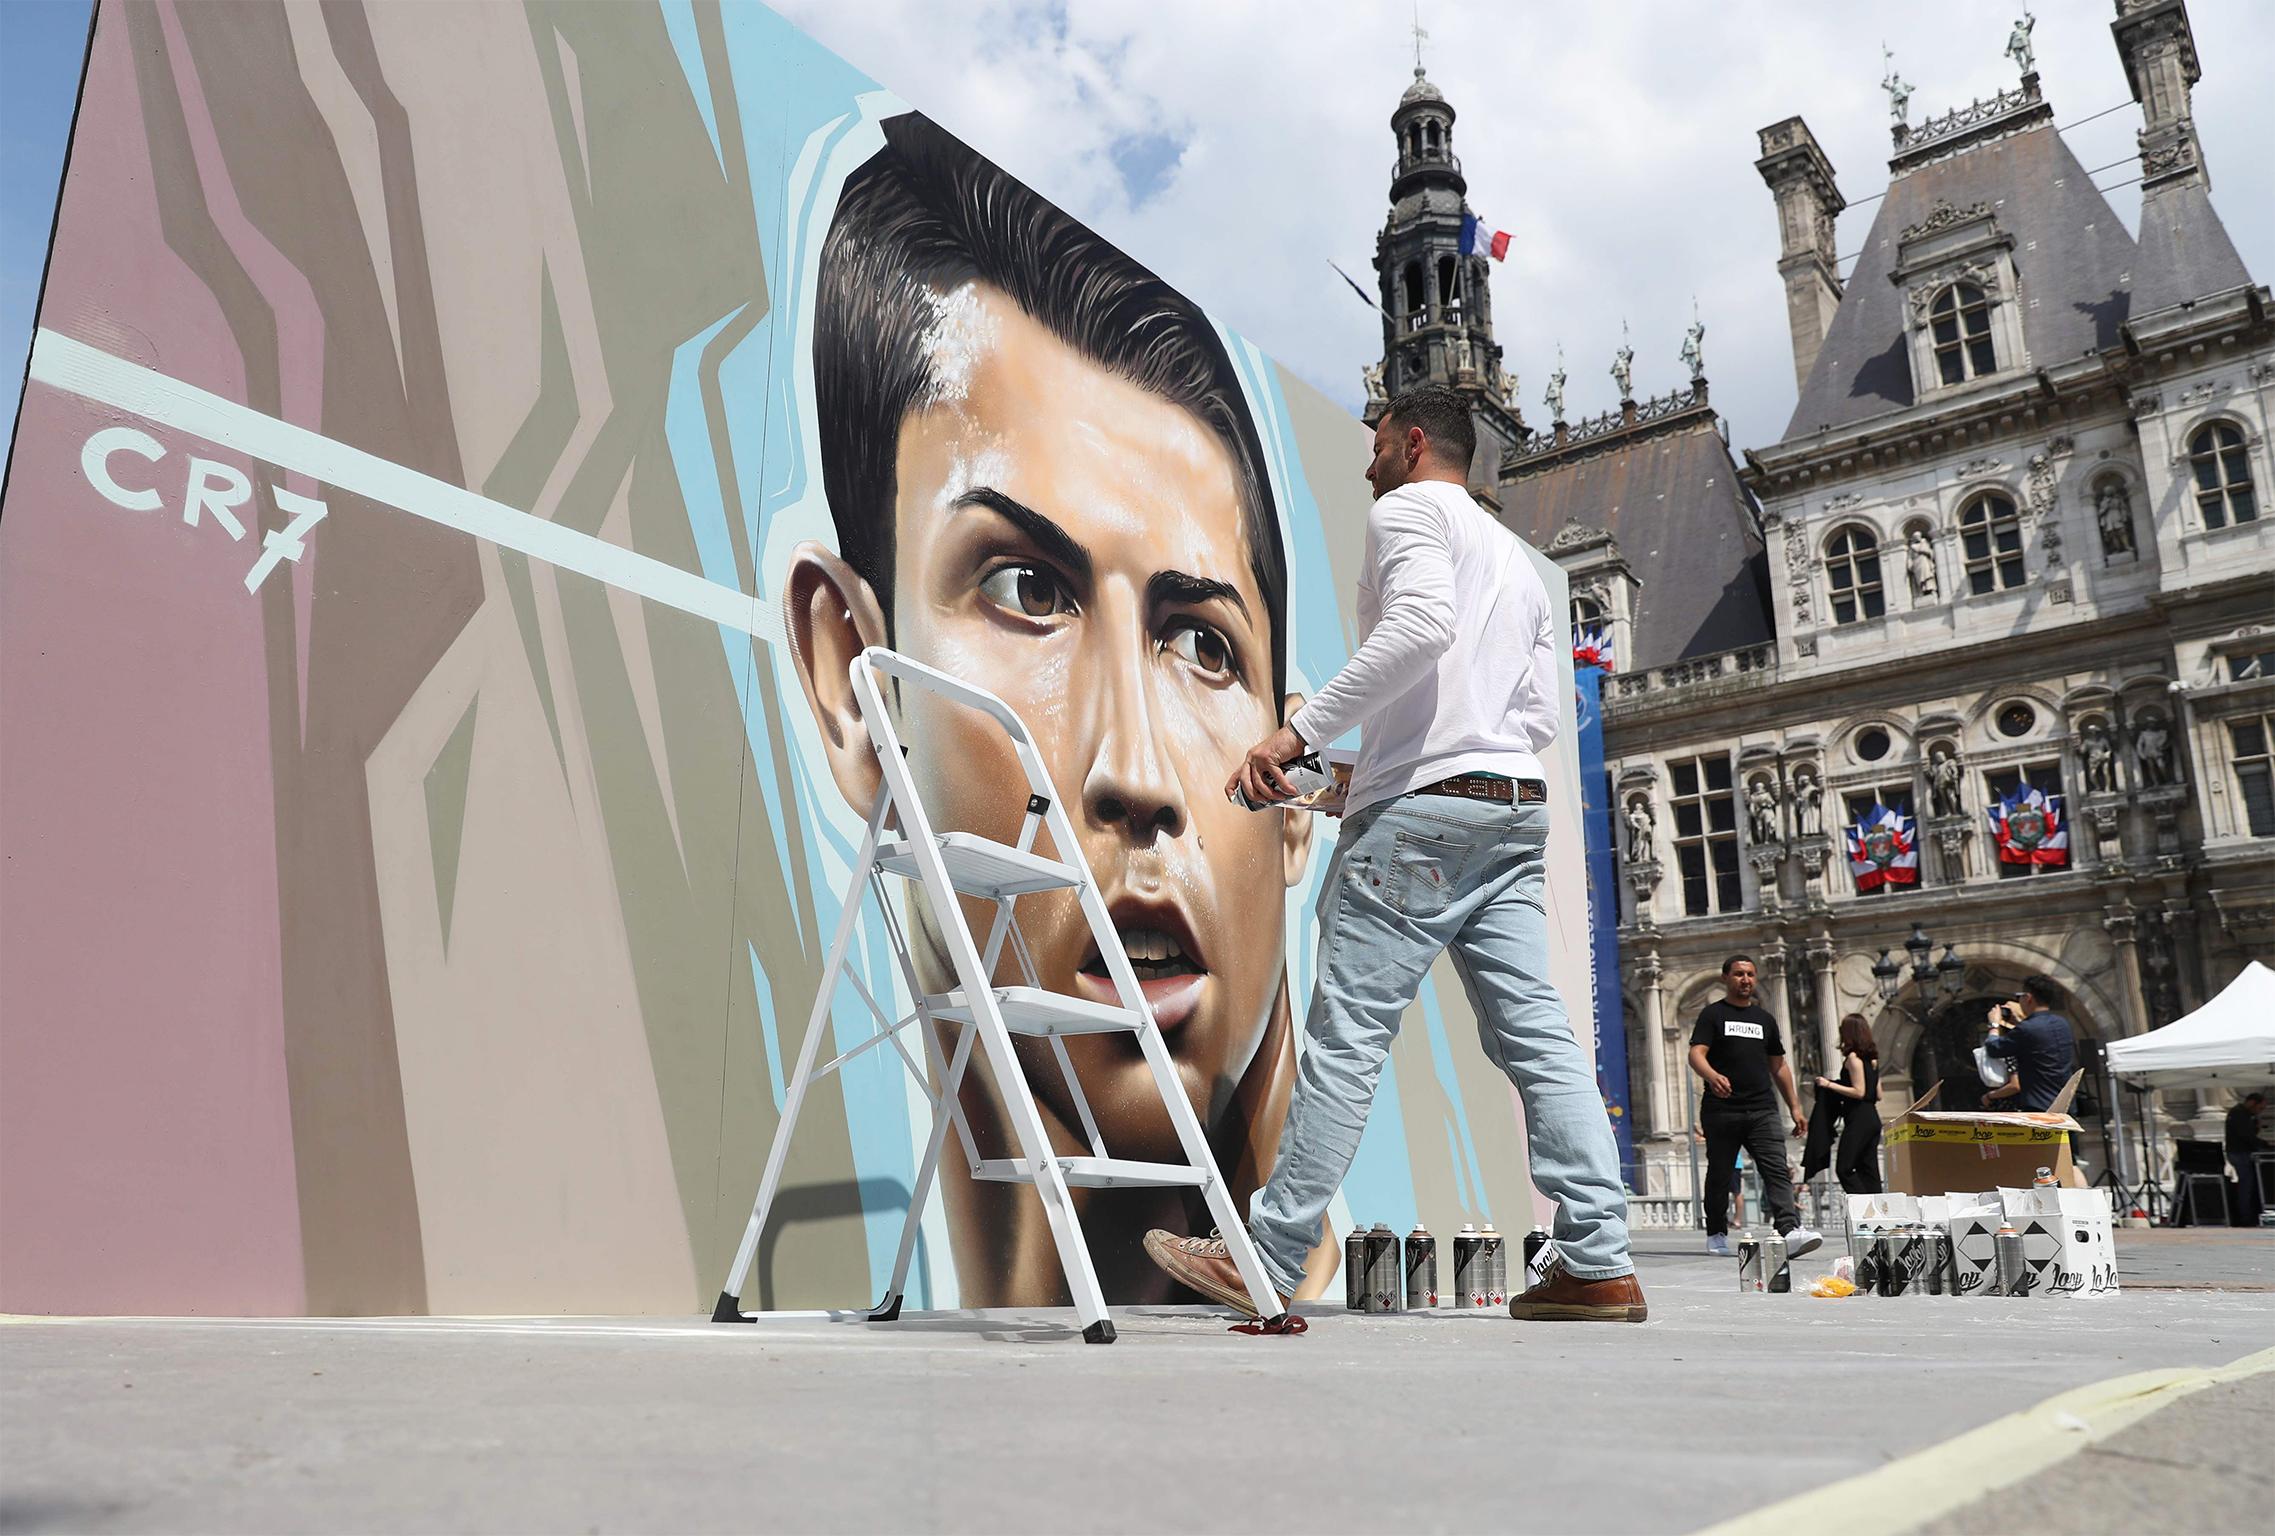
{"x": 1100, "y": 1332}
{"x": 729, "y": 1310}
{"x": 890, "y": 1312}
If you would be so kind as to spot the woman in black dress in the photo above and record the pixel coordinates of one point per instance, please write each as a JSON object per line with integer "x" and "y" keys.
{"x": 1857, "y": 1161}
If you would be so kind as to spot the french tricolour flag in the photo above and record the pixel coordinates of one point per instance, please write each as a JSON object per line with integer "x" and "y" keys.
{"x": 1591, "y": 647}
{"x": 1475, "y": 237}
{"x": 2027, "y": 826}
{"x": 1883, "y": 849}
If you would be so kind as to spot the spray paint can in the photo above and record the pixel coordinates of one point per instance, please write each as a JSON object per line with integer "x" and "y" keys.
{"x": 1496, "y": 1267}
{"x": 1468, "y": 1269}
{"x": 1385, "y": 1286}
{"x": 2013, "y": 1266}
{"x": 1535, "y": 1241}
{"x": 1421, "y": 1270}
{"x": 1912, "y": 1255}
{"x": 1750, "y": 1278}
{"x": 1355, "y": 1270}
{"x": 1867, "y": 1261}
{"x": 1777, "y": 1273}
{"x": 1887, "y": 1276}
{"x": 2044, "y": 1180}
{"x": 1942, "y": 1265}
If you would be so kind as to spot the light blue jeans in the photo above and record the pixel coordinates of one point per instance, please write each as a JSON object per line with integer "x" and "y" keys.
{"x": 1412, "y": 877}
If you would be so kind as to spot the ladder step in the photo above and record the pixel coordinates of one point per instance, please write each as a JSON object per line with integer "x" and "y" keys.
{"x": 1094, "y": 1172}
{"x": 1033, "y": 1011}
{"x": 978, "y": 866}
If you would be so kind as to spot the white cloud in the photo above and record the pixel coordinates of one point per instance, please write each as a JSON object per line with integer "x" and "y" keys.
{"x": 1615, "y": 141}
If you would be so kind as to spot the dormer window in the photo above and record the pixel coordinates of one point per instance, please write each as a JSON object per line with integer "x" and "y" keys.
{"x": 1963, "y": 298}
{"x": 1960, "y": 320}
{"x": 1852, "y": 565}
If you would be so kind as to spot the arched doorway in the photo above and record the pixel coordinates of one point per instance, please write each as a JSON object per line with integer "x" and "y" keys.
{"x": 1943, "y": 1052}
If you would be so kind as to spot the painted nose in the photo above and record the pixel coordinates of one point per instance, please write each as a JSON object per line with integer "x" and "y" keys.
{"x": 1132, "y": 786}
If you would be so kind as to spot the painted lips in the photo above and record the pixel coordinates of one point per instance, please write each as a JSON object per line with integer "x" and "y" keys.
{"x": 1170, "y": 969}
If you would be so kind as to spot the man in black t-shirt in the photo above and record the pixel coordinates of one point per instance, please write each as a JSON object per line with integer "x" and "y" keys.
{"x": 1737, "y": 1051}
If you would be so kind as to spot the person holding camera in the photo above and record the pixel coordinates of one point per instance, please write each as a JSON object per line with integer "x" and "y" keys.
{"x": 2039, "y": 1042}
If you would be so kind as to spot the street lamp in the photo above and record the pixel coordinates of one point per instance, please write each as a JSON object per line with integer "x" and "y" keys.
{"x": 1946, "y": 976}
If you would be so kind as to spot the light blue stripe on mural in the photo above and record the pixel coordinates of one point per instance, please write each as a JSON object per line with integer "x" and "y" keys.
{"x": 687, "y": 431}
{"x": 1380, "y": 1185}
{"x": 766, "y": 1029}
{"x": 679, "y": 22}
{"x": 1457, "y": 1123}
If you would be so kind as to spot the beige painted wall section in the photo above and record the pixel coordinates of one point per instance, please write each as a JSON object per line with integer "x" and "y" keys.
{"x": 544, "y": 1177}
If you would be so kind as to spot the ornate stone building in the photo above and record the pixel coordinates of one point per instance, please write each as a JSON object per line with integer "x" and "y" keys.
{"x": 2014, "y": 538}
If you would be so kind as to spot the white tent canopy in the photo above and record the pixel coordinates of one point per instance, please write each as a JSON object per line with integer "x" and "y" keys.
{"x": 2227, "y": 1043}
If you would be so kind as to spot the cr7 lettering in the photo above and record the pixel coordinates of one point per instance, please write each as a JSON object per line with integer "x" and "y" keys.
{"x": 212, "y": 489}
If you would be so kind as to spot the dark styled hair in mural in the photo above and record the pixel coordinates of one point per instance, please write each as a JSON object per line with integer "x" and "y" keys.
{"x": 1444, "y": 418}
{"x": 925, "y": 215}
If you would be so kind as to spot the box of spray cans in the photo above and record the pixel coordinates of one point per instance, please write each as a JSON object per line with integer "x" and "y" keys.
{"x": 2068, "y": 1237}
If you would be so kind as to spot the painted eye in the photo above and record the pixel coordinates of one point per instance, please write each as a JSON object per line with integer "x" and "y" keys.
{"x": 1025, "y": 589}
{"x": 1203, "y": 647}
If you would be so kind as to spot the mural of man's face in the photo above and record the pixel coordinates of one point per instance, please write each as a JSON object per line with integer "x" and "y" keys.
{"x": 1075, "y": 544}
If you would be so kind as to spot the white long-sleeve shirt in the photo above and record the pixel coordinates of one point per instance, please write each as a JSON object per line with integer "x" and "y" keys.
{"x": 1456, "y": 670}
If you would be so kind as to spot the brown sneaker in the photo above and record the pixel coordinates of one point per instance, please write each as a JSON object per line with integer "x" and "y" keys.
{"x": 1563, "y": 1297}
{"x": 1203, "y": 1264}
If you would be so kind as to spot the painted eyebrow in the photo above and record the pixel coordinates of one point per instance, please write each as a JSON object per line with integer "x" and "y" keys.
{"x": 1055, "y": 542}
{"x": 1169, "y": 588}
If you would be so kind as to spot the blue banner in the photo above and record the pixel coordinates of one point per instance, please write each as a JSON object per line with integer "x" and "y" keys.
{"x": 1603, "y": 919}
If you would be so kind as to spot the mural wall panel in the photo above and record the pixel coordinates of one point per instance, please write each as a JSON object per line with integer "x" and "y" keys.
{"x": 464, "y": 446}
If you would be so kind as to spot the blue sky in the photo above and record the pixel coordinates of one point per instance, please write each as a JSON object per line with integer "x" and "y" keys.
{"x": 42, "y": 45}
{"x": 1236, "y": 148}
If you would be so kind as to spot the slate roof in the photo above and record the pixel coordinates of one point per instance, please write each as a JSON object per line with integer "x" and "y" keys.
{"x": 2185, "y": 252}
{"x": 2076, "y": 261}
{"x": 1670, "y": 496}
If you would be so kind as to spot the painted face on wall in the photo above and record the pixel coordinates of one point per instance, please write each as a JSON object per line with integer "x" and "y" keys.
{"x": 1074, "y": 544}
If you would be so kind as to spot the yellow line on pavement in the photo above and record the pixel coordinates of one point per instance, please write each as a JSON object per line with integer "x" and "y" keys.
{"x": 1914, "y": 1489}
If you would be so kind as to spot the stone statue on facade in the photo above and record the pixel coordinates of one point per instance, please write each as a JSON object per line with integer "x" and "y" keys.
{"x": 2018, "y": 42}
{"x": 1899, "y": 92}
{"x": 1377, "y": 393}
{"x": 1943, "y": 779}
{"x": 1761, "y": 812}
{"x": 2152, "y": 751}
{"x": 1639, "y": 829}
{"x": 2100, "y": 760}
{"x": 1694, "y": 349}
{"x": 1463, "y": 361}
{"x": 1808, "y": 805}
{"x": 1919, "y": 564}
{"x": 1623, "y": 370}
{"x": 2113, "y": 510}
{"x": 1555, "y": 396}
{"x": 1509, "y": 391}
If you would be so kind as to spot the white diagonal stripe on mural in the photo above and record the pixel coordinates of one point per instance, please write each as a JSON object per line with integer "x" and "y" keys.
{"x": 93, "y": 374}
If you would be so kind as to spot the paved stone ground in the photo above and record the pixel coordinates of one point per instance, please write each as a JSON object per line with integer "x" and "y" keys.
{"x": 1008, "y": 1422}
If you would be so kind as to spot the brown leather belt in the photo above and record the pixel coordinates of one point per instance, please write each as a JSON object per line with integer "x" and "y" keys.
{"x": 1479, "y": 786}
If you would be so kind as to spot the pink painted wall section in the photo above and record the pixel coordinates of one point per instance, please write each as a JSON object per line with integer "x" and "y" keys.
{"x": 146, "y": 1159}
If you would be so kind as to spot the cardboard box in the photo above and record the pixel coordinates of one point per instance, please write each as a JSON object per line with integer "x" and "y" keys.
{"x": 1930, "y": 1151}
{"x": 2068, "y": 1239}
{"x": 1974, "y": 1246}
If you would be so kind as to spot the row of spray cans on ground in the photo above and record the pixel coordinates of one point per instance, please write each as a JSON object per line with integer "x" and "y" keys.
{"x": 1912, "y": 1259}
{"x": 1381, "y": 1274}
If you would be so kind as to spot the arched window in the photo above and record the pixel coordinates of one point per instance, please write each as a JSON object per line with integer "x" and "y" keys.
{"x": 2223, "y": 475}
{"x": 1414, "y": 141}
{"x": 1852, "y": 563}
{"x": 1430, "y": 137}
{"x": 1449, "y": 288}
{"x": 1410, "y": 287}
{"x": 1961, "y": 321}
{"x": 1990, "y": 534}
{"x": 1586, "y": 611}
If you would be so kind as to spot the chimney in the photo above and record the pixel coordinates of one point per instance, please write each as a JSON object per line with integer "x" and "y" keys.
{"x": 1801, "y": 179}
{"x": 2159, "y": 51}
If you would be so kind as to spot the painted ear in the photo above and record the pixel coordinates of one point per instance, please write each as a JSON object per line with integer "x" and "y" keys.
{"x": 832, "y": 615}
{"x": 1295, "y": 826}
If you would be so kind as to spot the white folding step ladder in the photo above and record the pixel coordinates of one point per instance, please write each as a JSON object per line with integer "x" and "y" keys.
{"x": 937, "y": 865}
